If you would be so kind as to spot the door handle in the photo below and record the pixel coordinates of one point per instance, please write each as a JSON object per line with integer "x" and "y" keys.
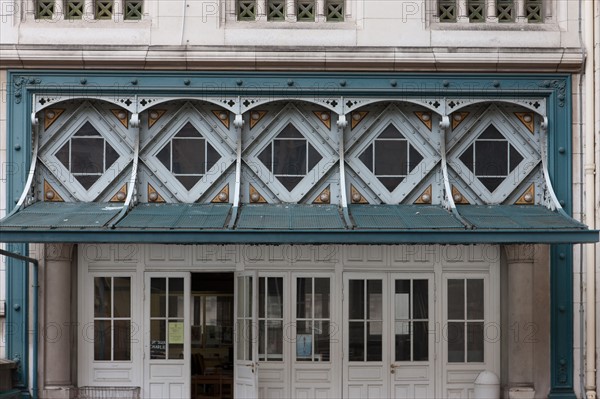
{"x": 392, "y": 368}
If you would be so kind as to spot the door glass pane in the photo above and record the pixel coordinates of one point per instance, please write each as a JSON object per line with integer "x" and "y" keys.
{"x": 356, "y": 295}
{"x": 304, "y": 340}
{"x": 321, "y": 330}
{"x": 275, "y": 301}
{"x": 456, "y": 299}
{"x": 274, "y": 340}
{"x": 456, "y": 342}
{"x": 304, "y": 298}
{"x": 176, "y": 297}
{"x": 420, "y": 299}
{"x": 474, "y": 342}
{"x": 402, "y": 340}
{"x": 374, "y": 304}
{"x": 175, "y": 335}
{"x": 122, "y": 340}
{"x": 421, "y": 341}
{"x": 158, "y": 292}
{"x": 102, "y": 297}
{"x": 321, "y": 298}
{"x": 356, "y": 341}
{"x": 374, "y": 339}
{"x": 122, "y": 293}
{"x": 402, "y": 300}
{"x": 158, "y": 339}
{"x": 261, "y": 298}
{"x": 475, "y": 299}
{"x": 102, "y": 340}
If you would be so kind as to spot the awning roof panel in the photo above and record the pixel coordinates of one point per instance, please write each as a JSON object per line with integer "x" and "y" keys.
{"x": 290, "y": 216}
{"x": 405, "y": 217}
{"x": 291, "y": 224}
{"x": 176, "y": 216}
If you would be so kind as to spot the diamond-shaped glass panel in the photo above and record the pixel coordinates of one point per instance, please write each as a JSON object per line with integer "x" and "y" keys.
{"x": 63, "y": 154}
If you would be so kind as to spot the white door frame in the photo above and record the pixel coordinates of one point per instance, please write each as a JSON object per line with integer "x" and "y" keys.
{"x": 245, "y": 374}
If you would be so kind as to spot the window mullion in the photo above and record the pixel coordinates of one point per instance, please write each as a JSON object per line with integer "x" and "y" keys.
{"x": 261, "y": 10}
{"x": 491, "y": 11}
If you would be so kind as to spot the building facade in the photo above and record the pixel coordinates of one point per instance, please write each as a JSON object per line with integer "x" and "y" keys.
{"x": 298, "y": 198}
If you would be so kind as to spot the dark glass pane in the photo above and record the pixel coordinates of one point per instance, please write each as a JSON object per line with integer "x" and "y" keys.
{"x": 356, "y": 341}
{"x": 456, "y": 299}
{"x": 102, "y": 297}
{"x": 164, "y": 155}
{"x": 175, "y": 349}
{"x": 275, "y": 297}
{"x": 87, "y": 181}
{"x": 176, "y": 297}
{"x": 491, "y": 183}
{"x": 265, "y": 157}
{"x": 122, "y": 293}
{"x": 314, "y": 157}
{"x": 374, "y": 336}
{"x": 467, "y": 158}
{"x": 475, "y": 299}
{"x": 421, "y": 341}
{"x": 87, "y": 130}
{"x": 188, "y": 131}
{"x": 87, "y": 155}
{"x": 158, "y": 339}
{"x": 491, "y": 133}
{"x": 391, "y": 157}
{"x": 390, "y": 132}
{"x": 188, "y": 181}
{"x": 322, "y": 298}
{"x": 420, "y": 299}
{"x": 456, "y": 342}
{"x": 322, "y": 341}
{"x": 304, "y": 342}
{"x": 262, "y": 336}
{"x": 122, "y": 340}
{"x": 212, "y": 156}
{"x": 515, "y": 158}
{"x": 491, "y": 158}
{"x": 367, "y": 157}
{"x": 63, "y": 155}
{"x": 390, "y": 183}
{"x": 402, "y": 340}
{"x": 158, "y": 290}
{"x": 304, "y": 298}
{"x": 289, "y": 182}
{"x": 188, "y": 156}
{"x": 274, "y": 339}
{"x": 111, "y": 156}
{"x": 290, "y": 132}
{"x": 414, "y": 157}
{"x": 289, "y": 157}
{"x": 261, "y": 298}
{"x": 356, "y": 295}
{"x": 374, "y": 300}
{"x": 474, "y": 342}
{"x": 102, "y": 340}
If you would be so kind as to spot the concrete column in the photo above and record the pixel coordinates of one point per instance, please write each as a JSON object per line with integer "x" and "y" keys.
{"x": 462, "y": 14}
{"x": 491, "y": 11}
{"x": 56, "y": 334}
{"x": 520, "y": 326}
{"x": 520, "y": 15}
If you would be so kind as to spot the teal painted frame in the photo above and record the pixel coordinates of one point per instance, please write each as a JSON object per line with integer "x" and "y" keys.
{"x": 556, "y": 88}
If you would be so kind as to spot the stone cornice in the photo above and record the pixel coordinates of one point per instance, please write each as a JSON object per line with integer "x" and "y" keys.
{"x": 388, "y": 59}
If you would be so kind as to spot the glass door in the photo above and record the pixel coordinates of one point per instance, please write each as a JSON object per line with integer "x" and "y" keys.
{"x": 167, "y": 340}
{"x": 245, "y": 345}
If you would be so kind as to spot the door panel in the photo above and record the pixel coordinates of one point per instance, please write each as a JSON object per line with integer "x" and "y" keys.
{"x": 365, "y": 332}
{"x": 167, "y": 309}
{"x": 412, "y": 344}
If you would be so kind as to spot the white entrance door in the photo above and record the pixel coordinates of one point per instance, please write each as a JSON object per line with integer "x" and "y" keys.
{"x": 246, "y": 328}
{"x": 388, "y": 338}
{"x": 412, "y": 343}
{"x": 167, "y": 341}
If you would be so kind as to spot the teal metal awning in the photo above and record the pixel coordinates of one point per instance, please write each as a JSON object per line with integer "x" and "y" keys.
{"x": 291, "y": 224}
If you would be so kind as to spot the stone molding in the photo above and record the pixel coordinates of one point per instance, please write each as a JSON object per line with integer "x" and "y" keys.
{"x": 520, "y": 253}
{"x": 59, "y": 252}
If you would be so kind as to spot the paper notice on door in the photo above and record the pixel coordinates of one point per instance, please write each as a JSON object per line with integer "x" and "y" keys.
{"x": 176, "y": 332}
